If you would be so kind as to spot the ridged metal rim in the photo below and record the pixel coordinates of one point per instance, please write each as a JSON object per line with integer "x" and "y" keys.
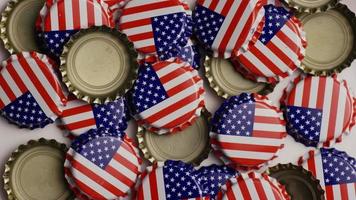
{"x": 303, "y": 9}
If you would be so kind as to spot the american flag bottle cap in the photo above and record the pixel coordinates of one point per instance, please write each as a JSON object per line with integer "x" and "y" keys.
{"x": 79, "y": 116}
{"x": 31, "y": 95}
{"x": 253, "y": 186}
{"x": 99, "y": 64}
{"x": 211, "y": 178}
{"x": 156, "y": 27}
{"x": 318, "y": 110}
{"x": 335, "y": 170}
{"x": 102, "y": 164}
{"x": 228, "y": 28}
{"x": 60, "y": 19}
{"x": 311, "y": 7}
{"x": 227, "y": 82}
{"x": 247, "y": 131}
{"x": 169, "y": 180}
{"x": 190, "y": 145}
{"x": 167, "y": 96}
{"x": 279, "y": 49}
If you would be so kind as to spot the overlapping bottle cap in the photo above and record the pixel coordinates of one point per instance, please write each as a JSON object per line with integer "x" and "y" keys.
{"x": 318, "y": 110}
{"x": 167, "y": 96}
{"x": 311, "y": 6}
{"x": 102, "y": 164}
{"x": 247, "y": 131}
{"x": 335, "y": 170}
{"x": 228, "y": 27}
{"x": 31, "y": 95}
{"x": 279, "y": 50}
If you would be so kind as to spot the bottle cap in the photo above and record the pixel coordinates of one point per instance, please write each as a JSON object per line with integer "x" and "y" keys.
{"x": 211, "y": 178}
{"x": 60, "y": 19}
{"x": 280, "y": 48}
{"x": 318, "y": 110}
{"x": 190, "y": 145}
{"x": 334, "y": 169}
{"x": 31, "y": 95}
{"x": 17, "y": 26}
{"x": 227, "y": 28}
{"x": 247, "y": 131}
{"x": 311, "y": 6}
{"x": 167, "y": 96}
{"x": 253, "y": 186}
{"x": 79, "y": 117}
{"x": 227, "y": 82}
{"x": 99, "y": 65}
{"x": 155, "y": 26}
{"x": 299, "y": 183}
{"x": 169, "y": 180}
{"x": 102, "y": 164}
{"x": 35, "y": 171}
{"x": 331, "y": 40}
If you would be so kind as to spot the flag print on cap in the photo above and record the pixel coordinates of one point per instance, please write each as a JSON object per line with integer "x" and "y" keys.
{"x": 318, "y": 110}
{"x": 335, "y": 170}
{"x": 156, "y": 26}
{"x": 212, "y": 178}
{"x": 78, "y": 116}
{"x": 31, "y": 95}
{"x": 279, "y": 49}
{"x": 60, "y": 19}
{"x": 167, "y": 96}
{"x": 102, "y": 164}
{"x": 227, "y": 27}
{"x": 253, "y": 186}
{"x": 169, "y": 180}
{"x": 247, "y": 131}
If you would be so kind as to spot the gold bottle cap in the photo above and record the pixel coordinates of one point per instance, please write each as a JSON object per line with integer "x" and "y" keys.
{"x": 99, "y": 64}
{"x": 331, "y": 40}
{"x": 226, "y": 81}
{"x": 311, "y": 6}
{"x": 35, "y": 171}
{"x": 190, "y": 145}
{"x": 17, "y": 26}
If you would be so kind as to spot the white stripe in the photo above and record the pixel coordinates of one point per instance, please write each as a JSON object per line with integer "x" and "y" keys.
{"x": 138, "y": 30}
{"x": 319, "y": 169}
{"x": 144, "y": 43}
{"x": 336, "y": 192}
{"x": 176, "y": 81}
{"x": 265, "y": 112}
{"x": 151, "y": 13}
{"x": 298, "y": 97}
{"x": 237, "y": 192}
{"x": 258, "y": 63}
{"x": 339, "y": 121}
{"x": 220, "y": 6}
{"x": 83, "y": 14}
{"x": 136, "y": 3}
{"x": 160, "y": 184}
{"x": 4, "y": 98}
{"x": 252, "y": 189}
{"x": 68, "y": 14}
{"x": 313, "y": 95}
{"x": 284, "y": 48}
{"x": 268, "y": 190}
{"x": 248, "y": 154}
{"x": 33, "y": 90}
{"x": 123, "y": 170}
{"x": 226, "y": 24}
{"x": 78, "y": 117}
{"x": 167, "y": 102}
{"x": 271, "y": 55}
{"x": 11, "y": 83}
{"x": 129, "y": 155}
{"x": 168, "y": 69}
{"x": 293, "y": 36}
{"x": 91, "y": 183}
{"x": 269, "y": 127}
{"x": 97, "y": 13}
{"x": 326, "y": 108}
{"x": 207, "y": 3}
{"x": 98, "y": 171}
{"x": 146, "y": 187}
{"x": 248, "y": 140}
{"x": 54, "y": 17}
{"x": 75, "y": 103}
{"x": 351, "y": 190}
{"x": 127, "y": 172}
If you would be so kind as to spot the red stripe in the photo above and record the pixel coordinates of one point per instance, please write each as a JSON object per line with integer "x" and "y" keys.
{"x": 333, "y": 111}
{"x": 343, "y": 191}
{"x": 90, "y": 12}
{"x": 141, "y": 36}
{"x": 230, "y": 194}
{"x": 172, "y": 75}
{"x": 267, "y": 120}
{"x": 147, "y": 49}
{"x": 160, "y": 65}
{"x": 9, "y": 93}
{"x": 213, "y": 5}
{"x": 140, "y": 193}
{"x": 76, "y": 14}
{"x": 149, "y": 7}
{"x": 61, "y": 15}
{"x": 37, "y": 83}
{"x": 94, "y": 177}
{"x": 180, "y": 87}
{"x": 244, "y": 189}
{"x": 248, "y": 147}
{"x": 251, "y": 67}
{"x": 232, "y": 26}
{"x": 268, "y": 134}
{"x": 281, "y": 55}
{"x": 80, "y": 124}
{"x": 306, "y": 92}
{"x": 347, "y": 114}
{"x": 227, "y": 7}
{"x": 311, "y": 164}
{"x": 329, "y": 193}
{"x": 261, "y": 191}
{"x": 127, "y": 163}
{"x": 321, "y": 93}
{"x": 76, "y": 110}
{"x": 16, "y": 78}
{"x": 118, "y": 175}
{"x": 2, "y": 105}
{"x": 288, "y": 42}
{"x": 276, "y": 193}
{"x": 134, "y": 24}
{"x": 291, "y": 97}
{"x": 248, "y": 162}
{"x": 153, "y": 185}
{"x": 180, "y": 120}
